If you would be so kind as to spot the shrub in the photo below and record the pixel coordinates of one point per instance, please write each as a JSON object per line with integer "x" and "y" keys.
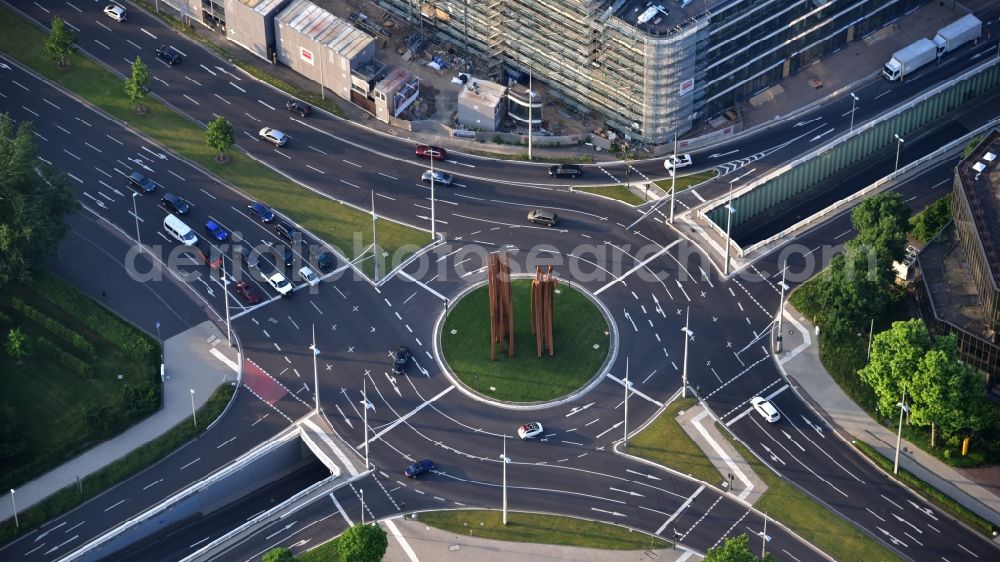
{"x": 54, "y": 326}
{"x": 497, "y": 139}
{"x": 17, "y": 343}
{"x": 931, "y": 220}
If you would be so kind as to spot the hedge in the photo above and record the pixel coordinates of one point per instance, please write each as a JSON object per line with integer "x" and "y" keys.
{"x": 54, "y": 326}
{"x": 67, "y": 360}
{"x": 932, "y": 494}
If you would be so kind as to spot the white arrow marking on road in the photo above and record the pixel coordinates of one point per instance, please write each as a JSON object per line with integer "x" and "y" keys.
{"x": 627, "y": 315}
{"x": 650, "y": 476}
{"x": 392, "y": 380}
{"x": 626, "y": 492}
{"x": 718, "y": 155}
{"x": 818, "y": 429}
{"x": 614, "y": 513}
{"x": 282, "y": 530}
{"x": 422, "y": 369}
{"x": 925, "y": 510}
{"x": 56, "y": 547}
{"x": 159, "y": 155}
{"x": 821, "y": 135}
{"x": 774, "y": 457}
{"x": 892, "y": 539}
{"x": 351, "y": 425}
{"x": 789, "y": 437}
{"x": 804, "y": 123}
{"x": 577, "y": 409}
{"x": 601, "y": 434}
{"x": 901, "y": 520}
{"x": 42, "y": 536}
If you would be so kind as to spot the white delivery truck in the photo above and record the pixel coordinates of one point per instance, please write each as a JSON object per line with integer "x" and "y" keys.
{"x": 909, "y": 58}
{"x": 957, "y": 33}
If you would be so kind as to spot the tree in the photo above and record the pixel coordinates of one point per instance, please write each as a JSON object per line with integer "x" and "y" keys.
{"x": 896, "y": 356}
{"x": 735, "y": 549}
{"x": 278, "y": 555}
{"x": 220, "y": 136}
{"x": 61, "y": 41}
{"x": 947, "y": 393}
{"x": 34, "y": 201}
{"x": 12, "y": 440}
{"x": 932, "y": 219}
{"x": 136, "y": 85}
{"x": 363, "y": 543}
{"x": 850, "y": 292}
{"x": 882, "y": 222}
{"x": 17, "y": 343}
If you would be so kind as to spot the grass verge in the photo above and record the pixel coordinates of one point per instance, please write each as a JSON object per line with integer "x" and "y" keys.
{"x": 345, "y": 228}
{"x": 930, "y": 493}
{"x": 541, "y": 529}
{"x": 619, "y": 192}
{"x": 684, "y": 182}
{"x": 665, "y": 442}
{"x": 326, "y": 552}
{"x": 580, "y": 336}
{"x": 121, "y": 469}
{"x": 811, "y": 520}
{"x": 523, "y": 156}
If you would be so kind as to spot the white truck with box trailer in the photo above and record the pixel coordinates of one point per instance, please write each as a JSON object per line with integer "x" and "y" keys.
{"x": 957, "y": 33}
{"x": 909, "y": 59}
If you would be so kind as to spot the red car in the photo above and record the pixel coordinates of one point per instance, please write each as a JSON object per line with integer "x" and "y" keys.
{"x": 247, "y": 291}
{"x": 431, "y": 152}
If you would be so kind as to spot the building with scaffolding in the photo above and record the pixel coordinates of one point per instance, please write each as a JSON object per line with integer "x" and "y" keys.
{"x": 651, "y": 68}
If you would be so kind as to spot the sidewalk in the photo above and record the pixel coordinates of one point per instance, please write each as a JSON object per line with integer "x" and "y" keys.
{"x": 428, "y": 544}
{"x": 806, "y": 375}
{"x": 197, "y": 359}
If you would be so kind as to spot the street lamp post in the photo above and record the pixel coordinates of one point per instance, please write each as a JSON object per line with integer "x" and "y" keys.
{"x": 899, "y": 435}
{"x": 194, "y": 414}
{"x": 899, "y": 144}
{"x": 17, "y": 524}
{"x": 673, "y": 181}
{"x": 225, "y": 289}
{"x": 364, "y": 396}
{"x": 687, "y": 336}
{"x": 362, "y": 490}
{"x": 374, "y": 245}
{"x": 315, "y": 367}
{"x": 531, "y": 104}
{"x": 763, "y": 537}
{"x": 781, "y": 308}
{"x": 135, "y": 213}
{"x": 729, "y": 224}
{"x": 504, "y": 460}
{"x": 854, "y": 101}
{"x": 627, "y": 385}
{"x": 433, "y": 221}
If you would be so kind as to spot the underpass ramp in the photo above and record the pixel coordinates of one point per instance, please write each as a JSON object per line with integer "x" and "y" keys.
{"x": 317, "y": 434}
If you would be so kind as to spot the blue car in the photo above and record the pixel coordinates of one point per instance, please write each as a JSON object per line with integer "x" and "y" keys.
{"x": 216, "y": 231}
{"x": 262, "y": 212}
{"x": 418, "y": 468}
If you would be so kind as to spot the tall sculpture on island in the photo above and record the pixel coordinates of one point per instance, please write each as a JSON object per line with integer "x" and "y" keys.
{"x": 542, "y": 290}
{"x": 501, "y": 305}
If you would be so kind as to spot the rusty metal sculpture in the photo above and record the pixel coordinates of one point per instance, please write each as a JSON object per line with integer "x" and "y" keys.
{"x": 501, "y": 305}
{"x": 542, "y": 291}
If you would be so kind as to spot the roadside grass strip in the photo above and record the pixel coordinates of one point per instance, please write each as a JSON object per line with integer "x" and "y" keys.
{"x": 684, "y": 182}
{"x": 347, "y": 229}
{"x": 664, "y": 442}
{"x": 541, "y": 529}
{"x": 619, "y": 192}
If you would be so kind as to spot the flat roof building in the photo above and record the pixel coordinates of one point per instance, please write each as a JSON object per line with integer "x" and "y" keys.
{"x": 481, "y": 104}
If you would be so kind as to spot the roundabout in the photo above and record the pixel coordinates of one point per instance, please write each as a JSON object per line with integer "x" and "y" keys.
{"x": 582, "y": 342}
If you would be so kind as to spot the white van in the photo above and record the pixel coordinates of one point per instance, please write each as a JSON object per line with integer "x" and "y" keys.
{"x": 180, "y": 231}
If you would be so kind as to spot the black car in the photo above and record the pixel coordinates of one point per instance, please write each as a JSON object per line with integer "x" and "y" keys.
{"x": 565, "y": 171}
{"x": 262, "y": 212}
{"x": 324, "y": 260}
{"x": 418, "y": 468}
{"x": 169, "y": 55}
{"x": 400, "y": 359}
{"x": 249, "y": 256}
{"x": 287, "y": 231}
{"x": 140, "y": 182}
{"x": 175, "y": 203}
{"x": 299, "y": 107}
{"x": 286, "y": 253}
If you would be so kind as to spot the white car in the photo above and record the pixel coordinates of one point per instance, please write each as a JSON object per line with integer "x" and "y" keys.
{"x": 765, "y": 409}
{"x": 530, "y": 430}
{"x": 115, "y": 12}
{"x": 280, "y": 284}
{"x": 273, "y": 136}
{"x": 309, "y": 276}
{"x": 440, "y": 178}
{"x": 682, "y": 161}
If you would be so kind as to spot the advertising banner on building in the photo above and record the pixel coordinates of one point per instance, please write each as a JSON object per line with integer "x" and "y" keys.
{"x": 306, "y": 55}
{"x": 687, "y": 86}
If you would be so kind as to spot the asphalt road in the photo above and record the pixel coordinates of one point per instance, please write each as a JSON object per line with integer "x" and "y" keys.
{"x": 573, "y": 470}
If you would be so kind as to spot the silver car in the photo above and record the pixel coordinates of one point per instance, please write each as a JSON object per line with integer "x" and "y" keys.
{"x": 273, "y": 136}
{"x": 440, "y": 178}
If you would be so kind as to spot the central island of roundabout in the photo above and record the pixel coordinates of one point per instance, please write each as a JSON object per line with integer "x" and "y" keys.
{"x": 582, "y": 343}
